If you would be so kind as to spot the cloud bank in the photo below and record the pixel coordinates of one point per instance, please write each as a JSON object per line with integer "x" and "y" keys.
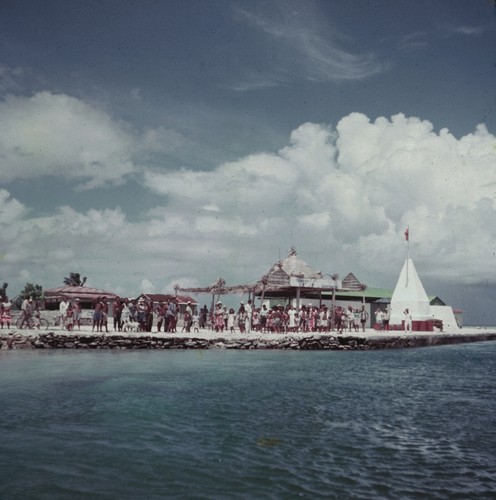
{"x": 343, "y": 195}
{"x": 58, "y": 135}
{"x": 354, "y": 189}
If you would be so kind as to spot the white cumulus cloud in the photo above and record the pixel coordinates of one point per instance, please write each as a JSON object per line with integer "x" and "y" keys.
{"x": 350, "y": 191}
{"x": 58, "y": 135}
{"x": 342, "y": 195}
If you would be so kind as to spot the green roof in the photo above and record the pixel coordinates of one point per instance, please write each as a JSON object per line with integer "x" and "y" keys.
{"x": 368, "y": 293}
{"x": 374, "y": 294}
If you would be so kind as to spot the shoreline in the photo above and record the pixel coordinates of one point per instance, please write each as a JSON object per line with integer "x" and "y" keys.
{"x": 368, "y": 340}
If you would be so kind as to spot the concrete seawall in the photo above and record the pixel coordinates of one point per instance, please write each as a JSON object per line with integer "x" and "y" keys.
{"x": 86, "y": 340}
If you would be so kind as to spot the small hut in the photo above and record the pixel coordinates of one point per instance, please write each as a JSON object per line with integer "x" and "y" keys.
{"x": 86, "y": 296}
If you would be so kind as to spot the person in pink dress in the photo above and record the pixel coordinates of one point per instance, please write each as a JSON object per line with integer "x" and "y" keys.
{"x": 5, "y": 313}
{"x": 219, "y": 317}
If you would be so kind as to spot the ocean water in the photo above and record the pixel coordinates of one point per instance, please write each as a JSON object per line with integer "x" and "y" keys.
{"x": 416, "y": 423}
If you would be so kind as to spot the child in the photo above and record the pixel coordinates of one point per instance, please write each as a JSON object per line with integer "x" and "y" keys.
{"x": 231, "y": 318}
{"x": 186, "y": 323}
{"x": 196, "y": 323}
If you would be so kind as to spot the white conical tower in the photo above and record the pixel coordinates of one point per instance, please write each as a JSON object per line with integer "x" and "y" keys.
{"x": 409, "y": 293}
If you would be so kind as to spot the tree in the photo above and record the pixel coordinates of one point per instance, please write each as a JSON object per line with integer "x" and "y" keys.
{"x": 3, "y": 291}
{"x": 74, "y": 279}
{"x": 30, "y": 290}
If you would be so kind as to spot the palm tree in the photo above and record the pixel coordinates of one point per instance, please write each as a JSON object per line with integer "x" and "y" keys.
{"x": 3, "y": 291}
{"x": 74, "y": 279}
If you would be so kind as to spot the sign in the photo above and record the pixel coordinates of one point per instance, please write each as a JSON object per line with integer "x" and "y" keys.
{"x": 319, "y": 283}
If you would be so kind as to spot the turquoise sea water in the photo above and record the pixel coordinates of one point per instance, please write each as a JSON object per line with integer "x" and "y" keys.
{"x": 393, "y": 424}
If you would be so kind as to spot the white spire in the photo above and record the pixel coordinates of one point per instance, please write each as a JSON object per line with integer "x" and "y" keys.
{"x": 409, "y": 293}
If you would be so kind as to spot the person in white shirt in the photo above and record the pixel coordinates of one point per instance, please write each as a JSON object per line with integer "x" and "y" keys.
{"x": 350, "y": 316}
{"x": 63, "y": 311}
{"x": 26, "y": 311}
{"x": 408, "y": 320}
{"x": 249, "y": 312}
{"x": 292, "y": 319}
{"x": 379, "y": 316}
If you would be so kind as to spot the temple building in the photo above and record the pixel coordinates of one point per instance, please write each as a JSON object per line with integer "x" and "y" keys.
{"x": 293, "y": 281}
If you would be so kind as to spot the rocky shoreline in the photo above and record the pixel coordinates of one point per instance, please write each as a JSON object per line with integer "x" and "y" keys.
{"x": 82, "y": 340}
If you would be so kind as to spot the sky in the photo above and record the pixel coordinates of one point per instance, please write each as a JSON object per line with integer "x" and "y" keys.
{"x": 153, "y": 143}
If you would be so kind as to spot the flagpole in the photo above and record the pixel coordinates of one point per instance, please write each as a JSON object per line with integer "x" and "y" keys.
{"x": 407, "y": 236}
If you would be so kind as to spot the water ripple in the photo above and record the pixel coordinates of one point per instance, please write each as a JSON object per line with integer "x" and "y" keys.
{"x": 414, "y": 424}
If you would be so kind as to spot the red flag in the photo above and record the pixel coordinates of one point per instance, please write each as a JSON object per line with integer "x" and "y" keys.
{"x": 407, "y": 234}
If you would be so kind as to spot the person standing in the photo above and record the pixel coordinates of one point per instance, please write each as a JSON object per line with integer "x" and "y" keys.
{"x": 231, "y": 319}
{"x": 408, "y": 320}
{"x": 186, "y": 321}
{"x": 63, "y": 311}
{"x": 203, "y": 317}
{"x": 172, "y": 315}
{"x": 188, "y": 317}
{"x": 379, "y": 317}
{"x": 263, "y": 318}
{"x": 125, "y": 314}
{"x": 385, "y": 320}
{"x": 356, "y": 319}
{"x": 6, "y": 316}
{"x": 117, "y": 314}
{"x": 69, "y": 318}
{"x": 350, "y": 316}
{"x": 218, "y": 317}
{"x": 77, "y": 314}
{"x": 196, "y": 322}
{"x": 255, "y": 320}
{"x": 242, "y": 318}
{"x": 311, "y": 318}
{"x": 149, "y": 316}
{"x": 364, "y": 316}
{"x": 141, "y": 314}
{"x": 291, "y": 319}
{"x": 160, "y": 311}
{"x": 26, "y": 311}
{"x": 132, "y": 310}
{"x": 249, "y": 314}
{"x": 97, "y": 316}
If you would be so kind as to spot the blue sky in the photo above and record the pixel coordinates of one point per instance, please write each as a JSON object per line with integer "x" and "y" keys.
{"x": 150, "y": 143}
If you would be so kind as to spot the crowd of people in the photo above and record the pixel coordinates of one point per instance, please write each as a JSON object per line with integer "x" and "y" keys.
{"x": 148, "y": 316}
{"x": 163, "y": 316}
{"x": 288, "y": 319}
{"x": 70, "y": 314}
{"x": 30, "y": 313}
{"x": 141, "y": 313}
